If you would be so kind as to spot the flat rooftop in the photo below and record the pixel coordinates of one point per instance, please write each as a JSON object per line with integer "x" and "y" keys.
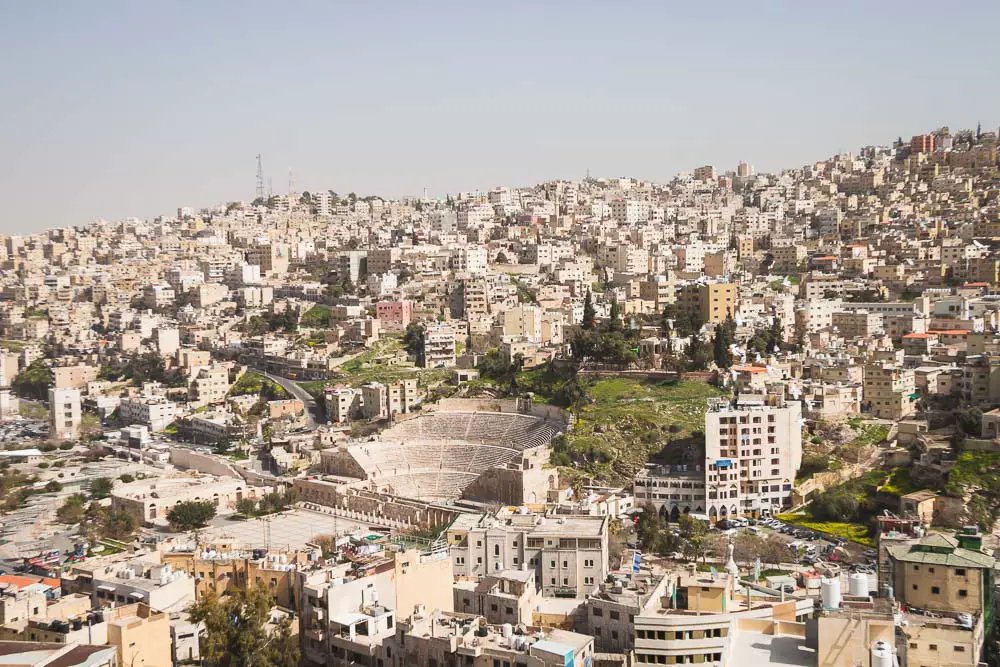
{"x": 756, "y": 649}
{"x": 290, "y": 529}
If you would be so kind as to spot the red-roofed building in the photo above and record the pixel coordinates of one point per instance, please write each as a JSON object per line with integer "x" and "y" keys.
{"x": 919, "y": 343}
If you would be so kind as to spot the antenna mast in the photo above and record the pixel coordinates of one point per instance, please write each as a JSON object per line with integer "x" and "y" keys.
{"x": 260, "y": 177}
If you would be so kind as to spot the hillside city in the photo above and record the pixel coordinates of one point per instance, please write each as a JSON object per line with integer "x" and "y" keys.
{"x": 736, "y": 418}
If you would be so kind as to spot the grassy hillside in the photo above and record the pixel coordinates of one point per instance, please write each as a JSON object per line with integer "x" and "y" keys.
{"x": 629, "y": 422}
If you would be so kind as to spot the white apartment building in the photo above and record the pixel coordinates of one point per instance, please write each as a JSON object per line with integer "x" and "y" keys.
{"x": 64, "y": 413}
{"x": 568, "y": 554}
{"x": 342, "y": 403}
{"x": 439, "y": 347}
{"x": 469, "y": 258}
{"x": 629, "y": 211}
{"x": 523, "y": 321}
{"x": 752, "y": 451}
{"x": 475, "y": 215}
{"x": 210, "y": 385}
{"x": 155, "y": 412}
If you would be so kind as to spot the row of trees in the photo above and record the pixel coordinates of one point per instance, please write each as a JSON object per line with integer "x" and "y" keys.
{"x": 609, "y": 343}
{"x": 269, "y": 504}
{"x": 693, "y": 539}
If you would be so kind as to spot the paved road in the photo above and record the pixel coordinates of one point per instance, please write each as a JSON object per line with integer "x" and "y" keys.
{"x": 313, "y": 412}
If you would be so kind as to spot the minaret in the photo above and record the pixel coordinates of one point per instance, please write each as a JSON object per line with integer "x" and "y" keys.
{"x": 731, "y": 568}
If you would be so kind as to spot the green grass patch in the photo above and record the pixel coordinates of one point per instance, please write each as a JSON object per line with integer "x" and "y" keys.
{"x": 317, "y": 317}
{"x": 253, "y": 382}
{"x": 899, "y": 483}
{"x": 974, "y": 470}
{"x": 630, "y": 421}
{"x": 855, "y": 532}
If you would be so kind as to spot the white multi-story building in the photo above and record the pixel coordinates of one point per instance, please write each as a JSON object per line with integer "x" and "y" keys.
{"x": 155, "y": 412}
{"x": 475, "y": 215}
{"x": 569, "y": 555}
{"x": 439, "y": 346}
{"x": 753, "y": 449}
{"x": 469, "y": 258}
{"x": 64, "y": 413}
{"x": 629, "y": 211}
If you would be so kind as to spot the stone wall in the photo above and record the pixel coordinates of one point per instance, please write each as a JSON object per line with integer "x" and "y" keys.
{"x": 353, "y": 501}
{"x": 187, "y": 459}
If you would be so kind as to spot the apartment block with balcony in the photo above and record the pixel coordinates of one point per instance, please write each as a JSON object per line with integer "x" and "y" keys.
{"x": 753, "y": 448}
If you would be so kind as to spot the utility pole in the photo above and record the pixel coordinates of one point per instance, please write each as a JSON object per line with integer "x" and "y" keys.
{"x": 260, "y": 177}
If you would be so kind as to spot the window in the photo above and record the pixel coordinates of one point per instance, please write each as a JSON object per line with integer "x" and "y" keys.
{"x": 614, "y": 615}
{"x": 959, "y": 649}
{"x": 597, "y": 632}
{"x": 963, "y": 593}
{"x": 915, "y": 587}
{"x": 959, "y": 572}
{"x": 932, "y": 647}
{"x": 935, "y": 590}
{"x": 614, "y": 634}
{"x": 913, "y": 644}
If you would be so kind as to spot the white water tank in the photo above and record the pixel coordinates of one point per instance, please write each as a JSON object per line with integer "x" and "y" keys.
{"x": 830, "y": 592}
{"x": 857, "y": 584}
{"x": 508, "y": 630}
{"x": 881, "y": 654}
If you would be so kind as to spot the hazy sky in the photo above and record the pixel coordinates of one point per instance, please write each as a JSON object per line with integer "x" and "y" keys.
{"x": 109, "y": 108}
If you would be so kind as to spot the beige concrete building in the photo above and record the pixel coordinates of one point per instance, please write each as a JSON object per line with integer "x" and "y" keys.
{"x": 221, "y": 564}
{"x": 64, "y": 413}
{"x": 889, "y": 391}
{"x": 695, "y": 617}
{"x": 509, "y": 596}
{"x": 380, "y": 400}
{"x": 150, "y": 500}
{"x": 210, "y": 385}
{"x": 73, "y": 377}
{"x": 342, "y": 403}
{"x": 347, "y": 614}
{"x": 951, "y": 577}
{"x": 857, "y": 324}
{"x": 711, "y": 303}
{"x": 444, "y": 639}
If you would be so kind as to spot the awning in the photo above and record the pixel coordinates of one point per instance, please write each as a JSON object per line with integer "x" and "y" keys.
{"x": 137, "y": 596}
{"x": 105, "y": 587}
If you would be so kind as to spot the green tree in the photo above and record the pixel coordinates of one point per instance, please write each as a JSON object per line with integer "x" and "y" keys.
{"x": 191, "y": 514}
{"x": 101, "y": 488}
{"x": 34, "y": 381}
{"x": 120, "y": 525}
{"x": 648, "y": 527}
{"x": 720, "y": 347}
{"x": 697, "y": 353}
{"x": 695, "y": 534}
{"x": 53, "y": 487}
{"x": 589, "y": 314}
{"x": 246, "y": 506}
{"x": 126, "y": 478}
{"x": 236, "y": 631}
{"x": 413, "y": 339}
{"x": 614, "y": 317}
{"x": 72, "y": 510}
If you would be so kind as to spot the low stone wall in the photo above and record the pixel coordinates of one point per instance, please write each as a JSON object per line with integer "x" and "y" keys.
{"x": 187, "y": 459}
{"x": 351, "y": 501}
